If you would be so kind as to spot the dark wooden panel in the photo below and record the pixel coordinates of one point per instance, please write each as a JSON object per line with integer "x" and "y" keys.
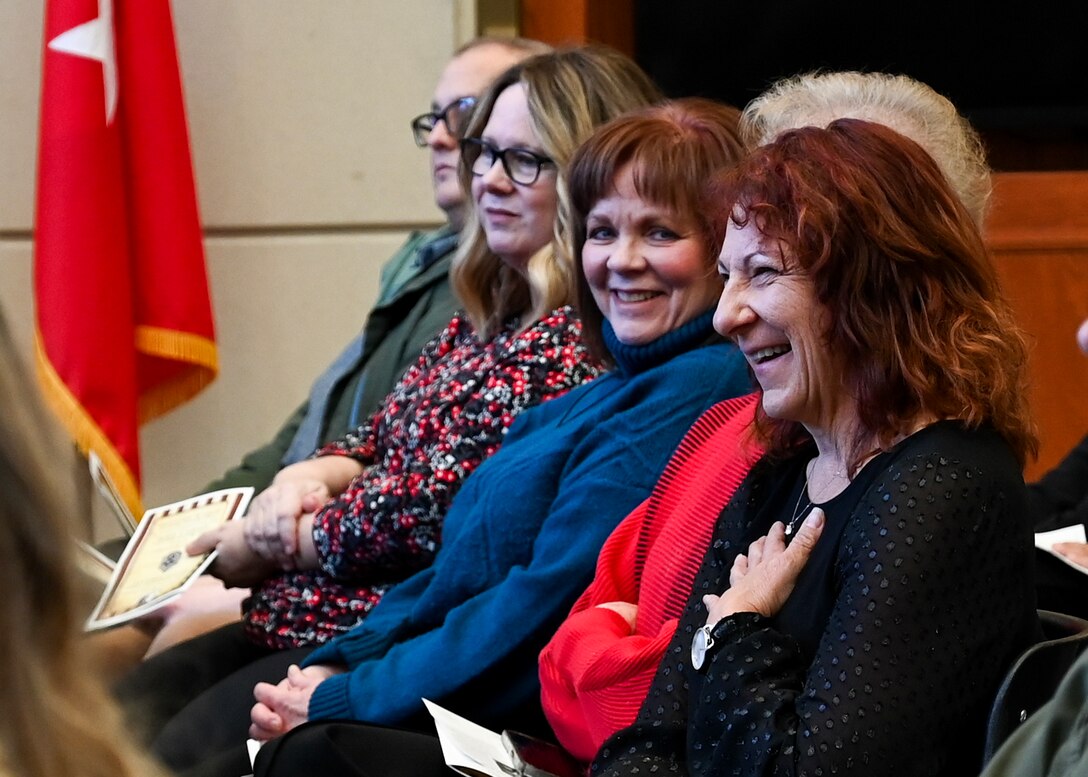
{"x": 1038, "y": 231}
{"x": 579, "y": 21}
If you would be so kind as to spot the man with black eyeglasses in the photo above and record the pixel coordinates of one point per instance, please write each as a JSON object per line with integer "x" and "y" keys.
{"x": 414, "y": 301}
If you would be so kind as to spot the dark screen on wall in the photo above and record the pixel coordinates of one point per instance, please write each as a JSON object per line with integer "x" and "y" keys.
{"x": 1019, "y": 71}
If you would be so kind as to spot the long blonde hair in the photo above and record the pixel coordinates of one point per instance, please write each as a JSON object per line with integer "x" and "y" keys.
{"x": 57, "y": 719}
{"x": 570, "y": 92}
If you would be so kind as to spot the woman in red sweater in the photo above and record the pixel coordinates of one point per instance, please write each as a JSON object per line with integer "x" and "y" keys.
{"x": 597, "y": 669}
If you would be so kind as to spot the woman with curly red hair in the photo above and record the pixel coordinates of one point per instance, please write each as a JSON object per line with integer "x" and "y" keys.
{"x": 870, "y": 580}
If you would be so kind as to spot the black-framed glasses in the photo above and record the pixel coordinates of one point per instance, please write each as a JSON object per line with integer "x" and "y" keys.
{"x": 456, "y": 116}
{"x": 521, "y": 165}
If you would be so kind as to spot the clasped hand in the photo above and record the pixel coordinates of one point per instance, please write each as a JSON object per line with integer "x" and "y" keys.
{"x": 236, "y": 565}
{"x": 761, "y": 580}
{"x": 266, "y": 540}
{"x": 272, "y": 521}
{"x": 283, "y": 706}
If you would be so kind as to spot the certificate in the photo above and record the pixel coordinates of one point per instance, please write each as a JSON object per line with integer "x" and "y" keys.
{"x": 154, "y": 567}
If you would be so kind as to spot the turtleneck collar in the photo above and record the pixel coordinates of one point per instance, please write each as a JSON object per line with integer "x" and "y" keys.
{"x": 632, "y": 359}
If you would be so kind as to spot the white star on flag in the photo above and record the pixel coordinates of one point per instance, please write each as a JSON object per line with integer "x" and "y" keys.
{"x": 94, "y": 40}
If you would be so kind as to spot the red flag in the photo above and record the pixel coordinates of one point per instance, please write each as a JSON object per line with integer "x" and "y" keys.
{"x": 125, "y": 327}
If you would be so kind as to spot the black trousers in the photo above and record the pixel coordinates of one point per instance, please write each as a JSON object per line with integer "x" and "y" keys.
{"x": 335, "y": 748}
{"x": 192, "y": 702}
{"x": 350, "y": 749}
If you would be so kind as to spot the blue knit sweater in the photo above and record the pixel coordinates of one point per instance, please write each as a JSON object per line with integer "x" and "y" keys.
{"x": 522, "y": 536}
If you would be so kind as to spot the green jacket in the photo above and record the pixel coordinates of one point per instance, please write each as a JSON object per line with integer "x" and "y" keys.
{"x": 411, "y": 309}
{"x": 1054, "y": 741}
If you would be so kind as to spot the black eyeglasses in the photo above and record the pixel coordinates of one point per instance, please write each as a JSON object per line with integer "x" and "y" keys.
{"x": 456, "y": 116}
{"x": 521, "y": 166}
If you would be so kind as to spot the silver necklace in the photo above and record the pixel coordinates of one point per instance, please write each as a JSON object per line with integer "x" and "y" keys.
{"x": 798, "y": 510}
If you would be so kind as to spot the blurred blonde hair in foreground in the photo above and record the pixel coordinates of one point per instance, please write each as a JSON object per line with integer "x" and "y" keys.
{"x": 57, "y": 718}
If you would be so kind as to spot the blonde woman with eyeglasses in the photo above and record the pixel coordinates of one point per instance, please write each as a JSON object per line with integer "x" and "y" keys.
{"x": 334, "y": 534}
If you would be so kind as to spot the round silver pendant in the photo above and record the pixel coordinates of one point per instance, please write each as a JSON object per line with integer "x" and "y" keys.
{"x": 700, "y": 644}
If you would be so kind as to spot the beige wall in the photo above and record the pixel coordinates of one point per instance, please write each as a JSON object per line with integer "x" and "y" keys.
{"x": 308, "y": 180}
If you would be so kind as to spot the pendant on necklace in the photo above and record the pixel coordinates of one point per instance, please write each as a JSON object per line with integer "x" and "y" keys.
{"x": 798, "y": 511}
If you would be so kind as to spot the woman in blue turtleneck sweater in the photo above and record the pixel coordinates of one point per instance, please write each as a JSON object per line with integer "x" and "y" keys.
{"x": 522, "y": 536}
{"x": 520, "y": 541}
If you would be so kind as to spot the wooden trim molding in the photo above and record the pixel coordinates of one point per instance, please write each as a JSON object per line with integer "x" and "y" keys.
{"x": 1033, "y": 211}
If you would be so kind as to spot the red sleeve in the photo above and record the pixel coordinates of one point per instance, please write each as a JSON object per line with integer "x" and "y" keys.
{"x": 594, "y": 676}
{"x": 595, "y": 672}
{"x": 588, "y": 632}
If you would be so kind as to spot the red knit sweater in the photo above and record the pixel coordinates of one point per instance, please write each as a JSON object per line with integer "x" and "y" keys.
{"x": 595, "y": 672}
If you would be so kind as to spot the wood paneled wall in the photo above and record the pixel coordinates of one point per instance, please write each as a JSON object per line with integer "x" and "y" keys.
{"x": 1038, "y": 231}
{"x": 577, "y": 21}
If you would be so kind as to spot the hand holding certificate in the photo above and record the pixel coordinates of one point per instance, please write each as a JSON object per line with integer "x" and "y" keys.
{"x": 154, "y": 567}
